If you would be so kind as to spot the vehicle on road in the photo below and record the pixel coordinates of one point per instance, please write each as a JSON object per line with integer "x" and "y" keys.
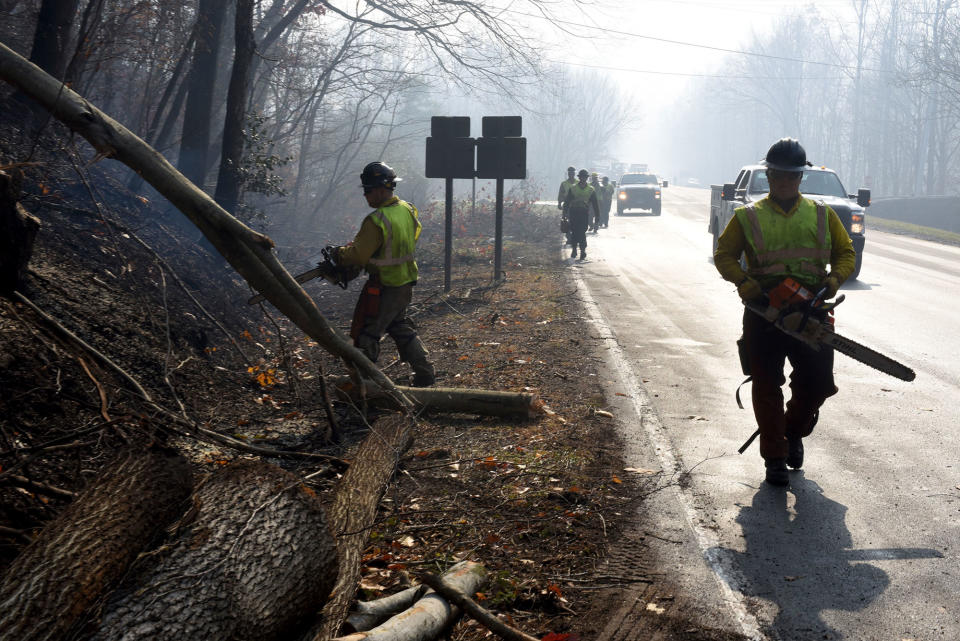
{"x": 819, "y": 183}
{"x": 638, "y": 191}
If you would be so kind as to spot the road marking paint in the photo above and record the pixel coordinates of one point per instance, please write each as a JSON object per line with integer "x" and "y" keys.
{"x": 706, "y": 539}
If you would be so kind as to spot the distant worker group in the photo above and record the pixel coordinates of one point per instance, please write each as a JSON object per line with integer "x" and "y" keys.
{"x": 579, "y": 196}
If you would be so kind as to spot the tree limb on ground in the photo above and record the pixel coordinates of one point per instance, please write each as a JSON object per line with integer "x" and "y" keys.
{"x": 430, "y": 615}
{"x": 249, "y": 252}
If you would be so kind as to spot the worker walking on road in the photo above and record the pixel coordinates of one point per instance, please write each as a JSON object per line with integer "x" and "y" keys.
{"x": 579, "y": 201}
{"x": 784, "y": 235}
{"x": 570, "y": 181}
{"x": 385, "y": 247}
{"x": 595, "y": 183}
{"x": 606, "y": 201}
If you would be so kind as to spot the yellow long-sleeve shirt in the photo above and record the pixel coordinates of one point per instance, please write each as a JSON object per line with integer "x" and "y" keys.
{"x": 733, "y": 242}
{"x": 367, "y": 241}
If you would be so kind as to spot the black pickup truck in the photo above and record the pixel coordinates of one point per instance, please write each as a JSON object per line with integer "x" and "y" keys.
{"x": 819, "y": 183}
{"x": 638, "y": 191}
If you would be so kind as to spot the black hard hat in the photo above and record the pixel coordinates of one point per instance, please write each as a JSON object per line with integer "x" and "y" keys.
{"x": 583, "y": 173}
{"x": 379, "y": 174}
{"x": 787, "y": 154}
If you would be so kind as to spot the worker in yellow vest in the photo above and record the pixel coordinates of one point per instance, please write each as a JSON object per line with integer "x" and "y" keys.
{"x": 784, "y": 235}
{"x": 562, "y": 194}
{"x": 385, "y": 247}
{"x": 578, "y": 202}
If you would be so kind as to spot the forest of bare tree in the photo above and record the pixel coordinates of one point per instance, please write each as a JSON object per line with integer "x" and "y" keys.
{"x": 876, "y": 98}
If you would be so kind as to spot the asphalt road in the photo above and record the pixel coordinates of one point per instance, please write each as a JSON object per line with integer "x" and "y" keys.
{"x": 864, "y": 543}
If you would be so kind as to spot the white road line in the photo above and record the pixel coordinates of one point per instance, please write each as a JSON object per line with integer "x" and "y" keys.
{"x": 706, "y": 539}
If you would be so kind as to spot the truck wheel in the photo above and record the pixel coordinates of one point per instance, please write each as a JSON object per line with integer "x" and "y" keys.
{"x": 716, "y": 238}
{"x": 656, "y": 209}
{"x": 619, "y": 210}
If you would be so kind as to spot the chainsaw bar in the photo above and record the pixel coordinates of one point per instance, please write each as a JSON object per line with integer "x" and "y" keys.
{"x": 322, "y": 271}
{"x": 867, "y": 356}
{"x": 813, "y": 333}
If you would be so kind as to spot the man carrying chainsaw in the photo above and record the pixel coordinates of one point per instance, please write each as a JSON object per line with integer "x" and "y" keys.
{"x": 385, "y": 247}
{"x": 785, "y": 236}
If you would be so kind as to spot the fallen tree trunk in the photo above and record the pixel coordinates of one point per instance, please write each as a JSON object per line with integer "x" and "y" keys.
{"x": 249, "y": 252}
{"x": 254, "y": 563}
{"x": 452, "y": 399}
{"x": 354, "y": 509}
{"x": 461, "y": 599}
{"x": 52, "y": 582}
{"x": 431, "y": 614}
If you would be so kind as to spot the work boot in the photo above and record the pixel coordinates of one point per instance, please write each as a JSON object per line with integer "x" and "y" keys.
{"x": 573, "y": 254}
{"x": 777, "y": 472}
{"x": 795, "y": 453}
{"x": 423, "y": 380}
{"x": 583, "y": 254}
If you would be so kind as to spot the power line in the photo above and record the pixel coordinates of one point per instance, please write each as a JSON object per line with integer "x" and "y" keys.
{"x": 693, "y": 44}
{"x": 694, "y": 75}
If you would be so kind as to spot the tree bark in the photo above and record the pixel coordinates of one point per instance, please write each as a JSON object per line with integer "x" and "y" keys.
{"x": 252, "y": 560}
{"x": 18, "y": 230}
{"x": 53, "y": 35}
{"x": 355, "y": 507}
{"x": 249, "y": 252}
{"x": 231, "y": 156}
{"x": 431, "y": 614}
{"x": 370, "y": 614}
{"x": 89, "y": 546}
{"x": 462, "y": 599}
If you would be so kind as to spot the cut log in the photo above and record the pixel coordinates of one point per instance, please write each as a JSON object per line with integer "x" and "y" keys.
{"x": 354, "y": 509}
{"x": 18, "y": 230}
{"x": 431, "y": 614}
{"x": 90, "y": 545}
{"x": 370, "y": 614}
{"x": 255, "y": 563}
{"x": 451, "y": 399}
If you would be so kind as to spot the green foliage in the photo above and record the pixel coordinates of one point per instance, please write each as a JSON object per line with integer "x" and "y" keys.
{"x": 257, "y": 173}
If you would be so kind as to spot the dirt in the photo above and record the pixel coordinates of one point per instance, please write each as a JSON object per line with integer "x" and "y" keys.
{"x": 544, "y": 504}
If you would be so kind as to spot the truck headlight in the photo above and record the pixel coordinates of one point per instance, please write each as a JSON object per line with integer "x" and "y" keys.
{"x": 622, "y": 195}
{"x": 856, "y": 224}
{"x": 656, "y": 194}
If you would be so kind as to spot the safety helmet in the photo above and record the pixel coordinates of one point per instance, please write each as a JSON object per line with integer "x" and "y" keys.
{"x": 583, "y": 173}
{"x": 605, "y": 179}
{"x": 787, "y": 154}
{"x": 379, "y": 174}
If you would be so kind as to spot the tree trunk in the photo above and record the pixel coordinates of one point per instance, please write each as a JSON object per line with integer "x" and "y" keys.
{"x": 231, "y": 157}
{"x": 253, "y": 560}
{"x": 89, "y": 546}
{"x": 18, "y": 230}
{"x": 197, "y": 121}
{"x": 355, "y": 507}
{"x": 53, "y": 35}
{"x": 430, "y": 615}
{"x": 451, "y": 399}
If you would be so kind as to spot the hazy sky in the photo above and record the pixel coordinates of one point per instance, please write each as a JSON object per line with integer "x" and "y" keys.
{"x": 628, "y": 39}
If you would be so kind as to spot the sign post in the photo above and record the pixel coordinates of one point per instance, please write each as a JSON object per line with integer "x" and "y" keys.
{"x": 501, "y": 154}
{"x": 450, "y": 153}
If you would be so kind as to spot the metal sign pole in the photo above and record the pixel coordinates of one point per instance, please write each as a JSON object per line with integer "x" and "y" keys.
{"x": 498, "y": 243}
{"x": 473, "y": 198}
{"x": 448, "y": 235}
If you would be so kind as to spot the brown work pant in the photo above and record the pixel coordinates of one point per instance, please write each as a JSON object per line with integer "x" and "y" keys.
{"x": 811, "y": 383}
{"x": 382, "y": 309}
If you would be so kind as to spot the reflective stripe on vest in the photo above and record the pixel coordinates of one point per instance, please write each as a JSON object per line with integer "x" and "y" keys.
{"x": 795, "y": 253}
{"x": 400, "y": 269}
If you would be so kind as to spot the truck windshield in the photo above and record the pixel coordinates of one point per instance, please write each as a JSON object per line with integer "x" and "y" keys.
{"x": 638, "y": 179}
{"x": 814, "y": 183}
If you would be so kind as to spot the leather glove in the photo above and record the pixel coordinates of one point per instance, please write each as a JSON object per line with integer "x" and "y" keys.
{"x": 832, "y": 284}
{"x": 749, "y": 290}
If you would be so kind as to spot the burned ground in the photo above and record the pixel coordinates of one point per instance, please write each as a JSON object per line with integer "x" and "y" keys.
{"x": 539, "y": 502}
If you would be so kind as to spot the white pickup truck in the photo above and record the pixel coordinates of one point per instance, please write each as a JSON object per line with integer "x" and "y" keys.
{"x": 819, "y": 183}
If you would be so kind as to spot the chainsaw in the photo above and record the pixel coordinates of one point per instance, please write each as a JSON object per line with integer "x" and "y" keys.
{"x": 797, "y": 312}
{"x": 328, "y": 269}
